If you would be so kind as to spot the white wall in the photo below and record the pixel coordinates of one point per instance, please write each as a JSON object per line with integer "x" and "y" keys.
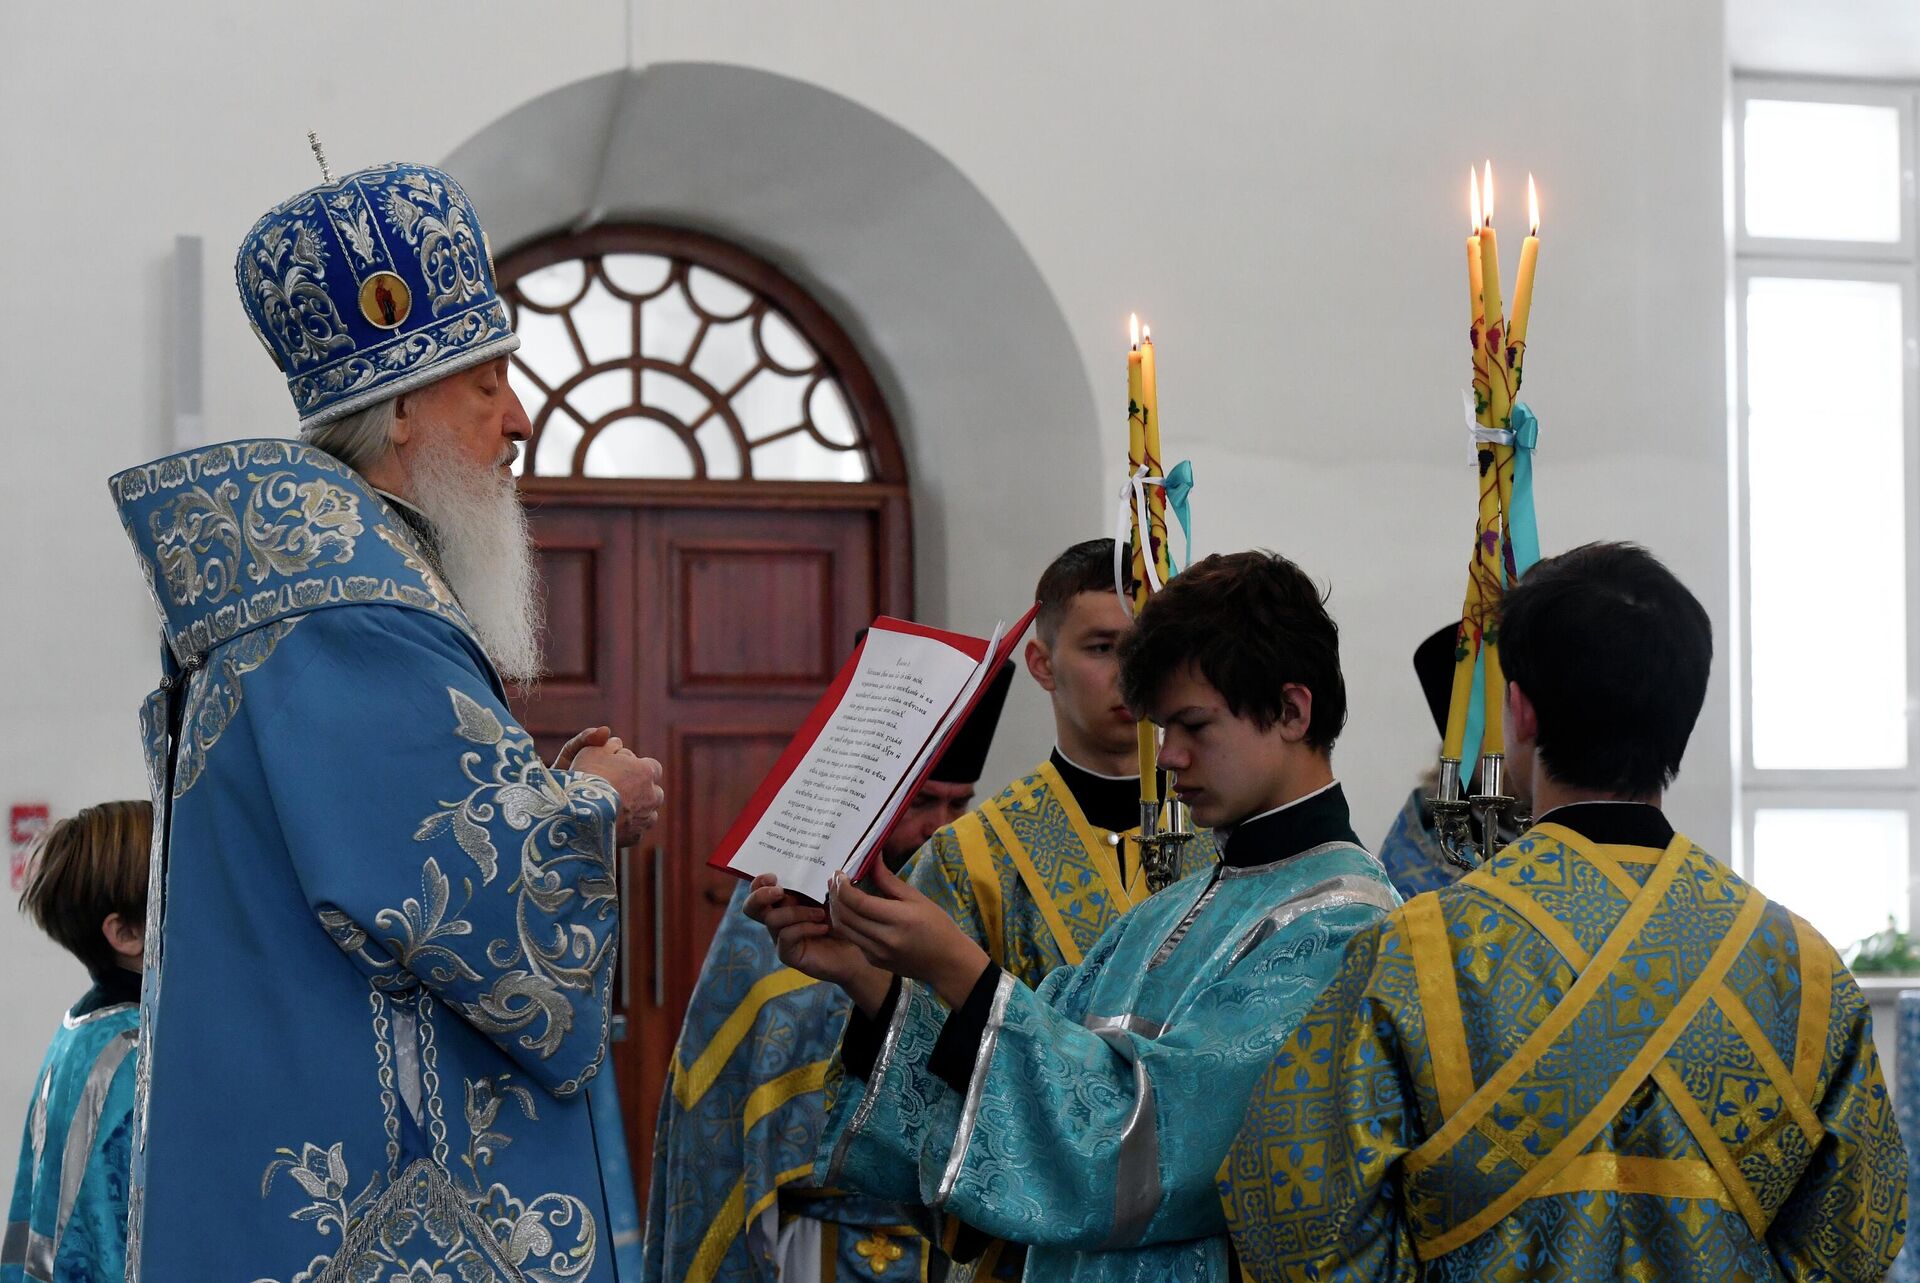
{"x": 1275, "y": 186}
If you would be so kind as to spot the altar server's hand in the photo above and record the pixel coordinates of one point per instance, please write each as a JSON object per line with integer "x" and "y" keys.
{"x": 804, "y": 941}
{"x": 901, "y": 930}
{"x": 592, "y": 737}
{"x": 636, "y": 779}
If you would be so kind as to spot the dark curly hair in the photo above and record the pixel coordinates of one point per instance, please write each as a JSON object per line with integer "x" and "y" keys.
{"x": 1250, "y": 623}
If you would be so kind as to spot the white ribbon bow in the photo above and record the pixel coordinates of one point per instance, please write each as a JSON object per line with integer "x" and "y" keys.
{"x": 1133, "y": 506}
{"x": 1478, "y": 433}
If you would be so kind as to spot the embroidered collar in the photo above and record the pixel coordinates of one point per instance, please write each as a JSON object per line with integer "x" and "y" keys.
{"x": 1306, "y": 822}
{"x": 235, "y": 537}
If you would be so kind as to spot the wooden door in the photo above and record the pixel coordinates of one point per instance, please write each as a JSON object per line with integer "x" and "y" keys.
{"x": 701, "y": 622}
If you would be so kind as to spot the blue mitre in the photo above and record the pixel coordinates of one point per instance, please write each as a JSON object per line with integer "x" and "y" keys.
{"x": 369, "y": 286}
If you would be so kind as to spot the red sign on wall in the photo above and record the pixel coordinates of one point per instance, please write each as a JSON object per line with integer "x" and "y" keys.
{"x": 27, "y": 823}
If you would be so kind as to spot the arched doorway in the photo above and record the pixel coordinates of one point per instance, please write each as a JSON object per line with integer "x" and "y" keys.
{"x": 720, "y": 501}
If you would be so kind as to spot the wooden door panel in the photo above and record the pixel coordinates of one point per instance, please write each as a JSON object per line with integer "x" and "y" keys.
{"x": 754, "y": 609}
{"x": 791, "y": 593}
{"x": 585, "y": 563}
{"x": 701, "y": 623}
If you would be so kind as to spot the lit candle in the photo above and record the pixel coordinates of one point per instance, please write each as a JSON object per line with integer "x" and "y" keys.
{"x": 1500, "y": 398}
{"x": 1496, "y": 480}
{"x": 1143, "y": 439}
{"x": 1523, "y": 287}
{"x": 1156, "y": 466}
{"x": 1477, "y": 316}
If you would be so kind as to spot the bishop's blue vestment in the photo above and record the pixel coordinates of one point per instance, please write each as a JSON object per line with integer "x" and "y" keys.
{"x": 380, "y": 946}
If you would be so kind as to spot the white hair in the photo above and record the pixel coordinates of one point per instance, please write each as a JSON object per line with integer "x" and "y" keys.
{"x": 359, "y": 439}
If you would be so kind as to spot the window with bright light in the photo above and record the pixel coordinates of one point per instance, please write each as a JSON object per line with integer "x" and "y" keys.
{"x": 1826, "y": 283}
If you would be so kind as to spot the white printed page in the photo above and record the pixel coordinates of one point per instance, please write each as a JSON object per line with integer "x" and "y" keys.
{"x": 904, "y": 686}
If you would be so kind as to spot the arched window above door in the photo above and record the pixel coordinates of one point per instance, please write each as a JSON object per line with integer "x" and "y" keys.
{"x": 659, "y": 353}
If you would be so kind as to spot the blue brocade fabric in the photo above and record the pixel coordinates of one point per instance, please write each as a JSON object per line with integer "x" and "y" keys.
{"x": 733, "y": 1153}
{"x": 1102, "y": 1104}
{"x": 1907, "y": 1268}
{"x": 739, "y": 1122}
{"x": 365, "y": 287}
{"x": 70, "y": 1226}
{"x": 380, "y": 955}
{"x": 1579, "y": 1062}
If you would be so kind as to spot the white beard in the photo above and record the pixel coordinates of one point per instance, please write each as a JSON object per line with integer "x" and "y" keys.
{"x": 485, "y": 550}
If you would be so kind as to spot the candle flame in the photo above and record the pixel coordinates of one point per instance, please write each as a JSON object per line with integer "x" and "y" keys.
{"x": 1486, "y": 197}
{"x": 1533, "y": 208}
{"x": 1146, "y": 335}
{"x": 1133, "y": 324}
{"x": 1473, "y": 200}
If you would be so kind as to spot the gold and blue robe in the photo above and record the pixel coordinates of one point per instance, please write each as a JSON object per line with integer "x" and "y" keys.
{"x": 68, "y": 1222}
{"x": 738, "y": 1124}
{"x": 380, "y": 948}
{"x": 1411, "y": 851}
{"x": 1027, "y": 874}
{"x": 1589, "y": 1059}
{"x": 1093, "y": 1112}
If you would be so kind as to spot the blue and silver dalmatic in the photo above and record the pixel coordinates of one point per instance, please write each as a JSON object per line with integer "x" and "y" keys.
{"x": 370, "y": 286}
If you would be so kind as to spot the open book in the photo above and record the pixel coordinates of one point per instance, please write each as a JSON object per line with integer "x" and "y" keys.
{"x": 862, "y": 754}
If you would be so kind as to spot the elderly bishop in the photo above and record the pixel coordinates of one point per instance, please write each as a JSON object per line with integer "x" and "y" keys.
{"x": 381, "y": 929}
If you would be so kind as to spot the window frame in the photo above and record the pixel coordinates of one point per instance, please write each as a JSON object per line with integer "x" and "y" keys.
{"x": 1849, "y": 93}
{"x": 1890, "y": 789}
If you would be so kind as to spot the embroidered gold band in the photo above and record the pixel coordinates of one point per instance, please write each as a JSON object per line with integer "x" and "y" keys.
{"x": 690, "y": 1082}
{"x": 1637, "y": 1070}
{"x": 1439, "y": 1003}
{"x": 971, "y": 834}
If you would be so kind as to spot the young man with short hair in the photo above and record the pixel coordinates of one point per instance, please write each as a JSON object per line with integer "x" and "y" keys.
{"x": 1602, "y": 1055}
{"x": 1088, "y": 1118}
{"x": 88, "y": 891}
{"x": 1034, "y": 875}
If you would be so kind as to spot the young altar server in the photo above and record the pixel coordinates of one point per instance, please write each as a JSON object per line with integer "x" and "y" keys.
{"x": 88, "y": 891}
{"x": 1087, "y": 1118}
{"x": 1034, "y": 875}
{"x": 1600, "y": 1056}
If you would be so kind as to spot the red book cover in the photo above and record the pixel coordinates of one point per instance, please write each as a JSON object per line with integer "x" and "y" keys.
{"x": 900, "y": 788}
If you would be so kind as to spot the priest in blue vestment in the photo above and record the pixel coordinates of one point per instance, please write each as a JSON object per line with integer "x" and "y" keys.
{"x": 381, "y": 930}
{"x": 1087, "y": 1118}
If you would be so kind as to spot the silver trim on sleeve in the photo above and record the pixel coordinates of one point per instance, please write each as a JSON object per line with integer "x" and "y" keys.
{"x": 1348, "y": 888}
{"x": 1148, "y": 1029}
{"x": 1136, "y": 1169}
{"x": 970, "y": 1110}
{"x": 864, "y": 1110}
{"x": 30, "y": 1251}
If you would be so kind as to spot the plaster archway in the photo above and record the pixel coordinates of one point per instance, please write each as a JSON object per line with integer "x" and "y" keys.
{"x": 963, "y": 333}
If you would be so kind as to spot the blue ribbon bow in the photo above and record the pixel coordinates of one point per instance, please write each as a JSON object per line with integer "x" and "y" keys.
{"x": 1523, "y": 541}
{"x": 1179, "y": 497}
